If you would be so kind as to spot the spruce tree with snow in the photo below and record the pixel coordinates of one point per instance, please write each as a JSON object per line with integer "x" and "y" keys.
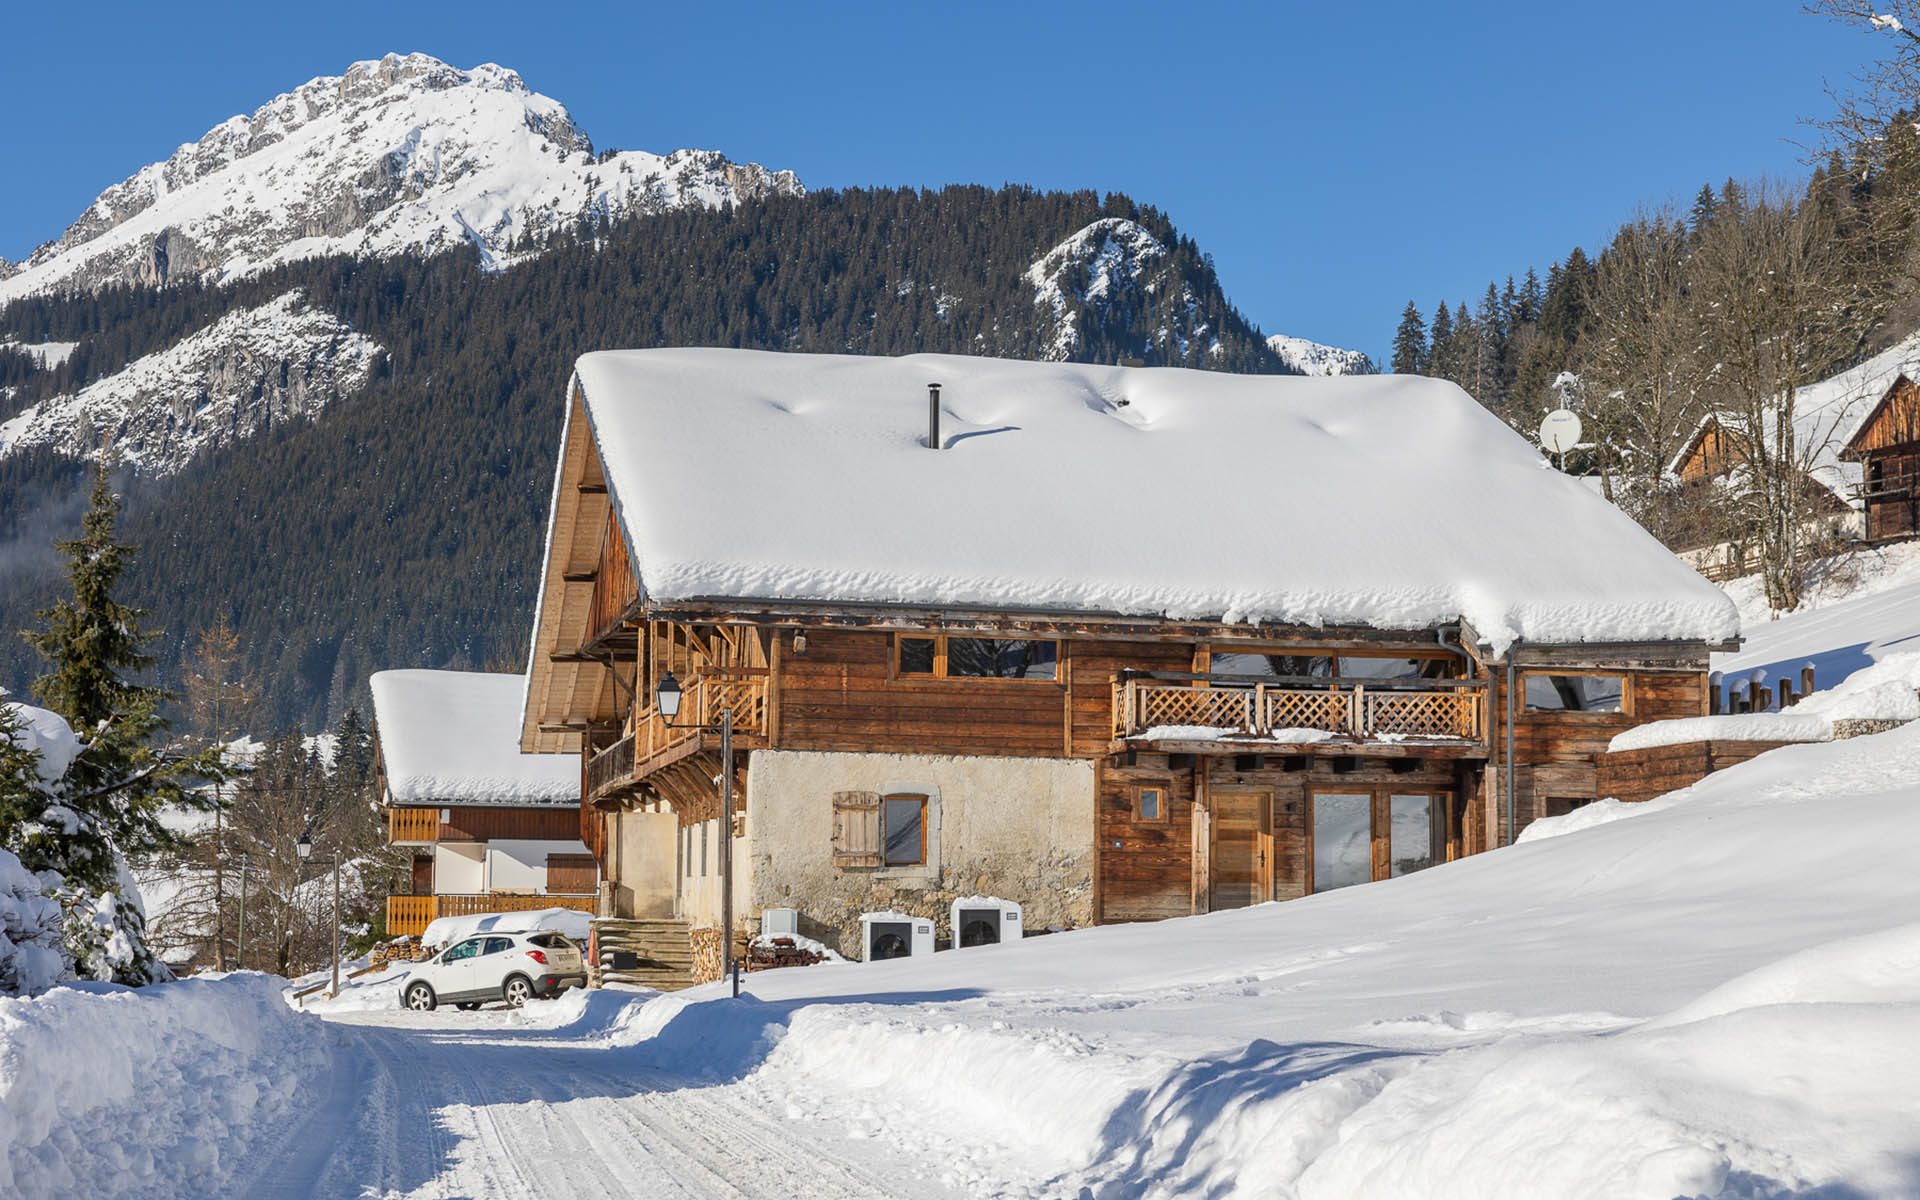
{"x": 1410, "y": 342}
{"x": 78, "y": 829}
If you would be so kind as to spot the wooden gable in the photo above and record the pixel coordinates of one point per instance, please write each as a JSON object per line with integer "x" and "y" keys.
{"x": 1708, "y": 456}
{"x": 1894, "y": 422}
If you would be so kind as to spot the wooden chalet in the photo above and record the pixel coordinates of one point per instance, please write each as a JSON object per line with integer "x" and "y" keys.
{"x": 1118, "y": 644}
{"x": 1887, "y": 447}
{"x": 491, "y": 829}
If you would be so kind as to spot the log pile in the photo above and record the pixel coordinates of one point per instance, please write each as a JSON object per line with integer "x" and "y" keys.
{"x": 404, "y": 950}
{"x": 771, "y": 953}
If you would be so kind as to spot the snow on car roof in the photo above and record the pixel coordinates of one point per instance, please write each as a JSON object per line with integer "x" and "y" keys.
{"x": 1388, "y": 501}
{"x": 453, "y": 737}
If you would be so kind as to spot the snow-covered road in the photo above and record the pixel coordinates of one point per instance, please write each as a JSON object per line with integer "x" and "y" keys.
{"x": 479, "y": 1105}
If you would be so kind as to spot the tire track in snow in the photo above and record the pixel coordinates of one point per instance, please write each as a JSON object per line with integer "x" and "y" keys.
{"x": 423, "y": 1113}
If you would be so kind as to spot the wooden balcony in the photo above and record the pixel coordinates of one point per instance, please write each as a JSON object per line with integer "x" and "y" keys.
{"x": 409, "y": 916}
{"x": 1238, "y": 709}
{"x": 650, "y": 743}
{"x": 413, "y": 826}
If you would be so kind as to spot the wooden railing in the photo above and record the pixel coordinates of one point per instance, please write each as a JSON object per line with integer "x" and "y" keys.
{"x": 702, "y": 699}
{"x": 412, "y": 825}
{"x": 1379, "y": 709}
{"x": 409, "y": 916}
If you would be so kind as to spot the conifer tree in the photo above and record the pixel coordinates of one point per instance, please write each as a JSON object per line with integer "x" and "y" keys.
{"x": 108, "y": 804}
{"x": 1410, "y": 342}
{"x": 1440, "y": 347}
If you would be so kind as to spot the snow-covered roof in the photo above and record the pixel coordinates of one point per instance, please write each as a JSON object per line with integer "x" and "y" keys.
{"x": 1828, "y": 414}
{"x": 1388, "y": 501}
{"x": 453, "y": 737}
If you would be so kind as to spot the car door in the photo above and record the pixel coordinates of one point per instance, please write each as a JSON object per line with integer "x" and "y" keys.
{"x": 490, "y": 970}
{"x": 459, "y": 969}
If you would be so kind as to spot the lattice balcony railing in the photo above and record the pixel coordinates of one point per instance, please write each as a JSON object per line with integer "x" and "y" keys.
{"x": 1351, "y": 710}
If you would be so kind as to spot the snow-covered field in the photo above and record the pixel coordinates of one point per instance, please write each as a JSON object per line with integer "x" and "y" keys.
{"x": 1717, "y": 994}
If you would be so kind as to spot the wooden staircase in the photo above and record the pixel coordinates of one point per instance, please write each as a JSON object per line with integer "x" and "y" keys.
{"x": 654, "y": 952}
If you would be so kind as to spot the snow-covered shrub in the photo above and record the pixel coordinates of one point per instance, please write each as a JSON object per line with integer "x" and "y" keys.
{"x": 32, "y": 958}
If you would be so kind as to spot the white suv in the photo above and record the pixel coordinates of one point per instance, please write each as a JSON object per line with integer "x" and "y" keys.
{"x": 514, "y": 967}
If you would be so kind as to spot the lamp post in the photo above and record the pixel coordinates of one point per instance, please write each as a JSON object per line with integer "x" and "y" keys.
{"x": 304, "y": 848}
{"x": 667, "y": 695}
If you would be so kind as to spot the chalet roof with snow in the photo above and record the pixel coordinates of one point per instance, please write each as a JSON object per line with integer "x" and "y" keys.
{"x": 1386, "y": 501}
{"x": 453, "y": 737}
{"x": 1827, "y": 417}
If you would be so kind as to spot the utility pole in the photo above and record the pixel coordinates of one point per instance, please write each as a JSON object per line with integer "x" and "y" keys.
{"x": 729, "y": 964}
{"x": 336, "y": 925}
{"x": 240, "y": 948}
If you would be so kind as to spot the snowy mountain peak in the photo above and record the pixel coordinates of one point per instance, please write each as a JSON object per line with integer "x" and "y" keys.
{"x": 1315, "y": 358}
{"x": 1106, "y": 264}
{"x": 403, "y": 153}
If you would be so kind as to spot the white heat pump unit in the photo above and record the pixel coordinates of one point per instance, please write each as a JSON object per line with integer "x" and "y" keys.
{"x": 895, "y": 935}
{"x": 985, "y": 921}
{"x": 779, "y": 922}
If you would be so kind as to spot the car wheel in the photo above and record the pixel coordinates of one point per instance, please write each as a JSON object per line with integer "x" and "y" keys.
{"x": 518, "y": 991}
{"x": 420, "y": 998}
{"x": 467, "y": 1005}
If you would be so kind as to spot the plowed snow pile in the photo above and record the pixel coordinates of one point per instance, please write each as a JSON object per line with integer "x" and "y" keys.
{"x": 166, "y": 1090}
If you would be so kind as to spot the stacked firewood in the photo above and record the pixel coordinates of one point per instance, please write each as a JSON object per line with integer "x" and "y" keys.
{"x": 767, "y": 953}
{"x": 398, "y": 950}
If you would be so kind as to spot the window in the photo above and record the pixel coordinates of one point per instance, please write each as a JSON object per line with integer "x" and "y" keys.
{"x": 467, "y": 949}
{"x": 703, "y": 849}
{"x": 1576, "y": 693}
{"x": 1560, "y": 806}
{"x": 904, "y": 831}
{"x": 1149, "y": 803}
{"x": 941, "y": 656}
{"x": 1322, "y": 666}
{"x": 497, "y": 945}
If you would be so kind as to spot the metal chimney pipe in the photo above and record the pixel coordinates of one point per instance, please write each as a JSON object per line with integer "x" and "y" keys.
{"x": 933, "y": 416}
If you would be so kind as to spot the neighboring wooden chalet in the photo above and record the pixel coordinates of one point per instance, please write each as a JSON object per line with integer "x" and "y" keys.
{"x": 1118, "y": 644}
{"x": 1857, "y": 435}
{"x": 491, "y": 829}
{"x": 1887, "y": 447}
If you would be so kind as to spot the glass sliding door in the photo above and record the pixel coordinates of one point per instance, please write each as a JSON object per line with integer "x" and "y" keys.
{"x": 1342, "y": 839}
{"x": 1417, "y": 833}
{"x": 1359, "y": 837}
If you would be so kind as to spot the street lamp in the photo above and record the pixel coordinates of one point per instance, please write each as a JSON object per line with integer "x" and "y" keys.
{"x": 304, "y": 849}
{"x": 667, "y": 695}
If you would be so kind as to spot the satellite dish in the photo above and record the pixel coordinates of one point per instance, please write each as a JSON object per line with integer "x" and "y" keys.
{"x": 1560, "y": 431}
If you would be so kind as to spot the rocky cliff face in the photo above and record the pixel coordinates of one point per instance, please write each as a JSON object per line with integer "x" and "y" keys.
{"x": 403, "y": 154}
{"x": 1114, "y": 263}
{"x": 248, "y": 371}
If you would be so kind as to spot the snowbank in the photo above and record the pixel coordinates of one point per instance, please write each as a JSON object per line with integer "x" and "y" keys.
{"x": 445, "y": 930}
{"x": 454, "y": 737}
{"x": 1515, "y": 548}
{"x": 1790, "y": 726}
{"x": 166, "y": 1090}
{"x": 1888, "y": 690}
{"x": 1703, "y": 1000}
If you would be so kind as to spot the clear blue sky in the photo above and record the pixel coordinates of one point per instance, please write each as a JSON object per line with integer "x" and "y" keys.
{"x": 1335, "y": 159}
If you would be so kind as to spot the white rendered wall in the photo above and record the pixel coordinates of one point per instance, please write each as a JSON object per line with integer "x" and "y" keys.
{"x": 521, "y": 866}
{"x": 459, "y": 867}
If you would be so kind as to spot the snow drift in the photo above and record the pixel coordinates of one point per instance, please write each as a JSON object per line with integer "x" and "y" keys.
{"x": 166, "y": 1090}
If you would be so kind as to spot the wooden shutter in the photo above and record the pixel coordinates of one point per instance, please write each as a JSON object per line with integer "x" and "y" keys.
{"x": 856, "y": 829}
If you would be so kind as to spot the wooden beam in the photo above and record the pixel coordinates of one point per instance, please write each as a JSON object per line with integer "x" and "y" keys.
{"x": 579, "y": 576}
{"x": 593, "y": 489}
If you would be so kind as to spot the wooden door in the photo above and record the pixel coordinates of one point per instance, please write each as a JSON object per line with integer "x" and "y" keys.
{"x": 1241, "y": 854}
{"x": 571, "y": 874}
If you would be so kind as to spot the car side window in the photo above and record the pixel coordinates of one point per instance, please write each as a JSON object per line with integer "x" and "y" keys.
{"x": 498, "y": 945}
{"x": 465, "y": 949}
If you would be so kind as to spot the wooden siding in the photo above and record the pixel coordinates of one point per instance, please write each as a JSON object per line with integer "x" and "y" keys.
{"x": 1896, "y": 422}
{"x": 841, "y": 694}
{"x": 1710, "y": 456}
{"x": 1550, "y": 739}
{"x": 1150, "y": 870}
{"x": 476, "y": 824}
{"x": 1637, "y": 775}
{"x": 614, "y": 587}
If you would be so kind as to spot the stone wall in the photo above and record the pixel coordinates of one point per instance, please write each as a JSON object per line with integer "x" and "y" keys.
{"x": 1018, "y": 828}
